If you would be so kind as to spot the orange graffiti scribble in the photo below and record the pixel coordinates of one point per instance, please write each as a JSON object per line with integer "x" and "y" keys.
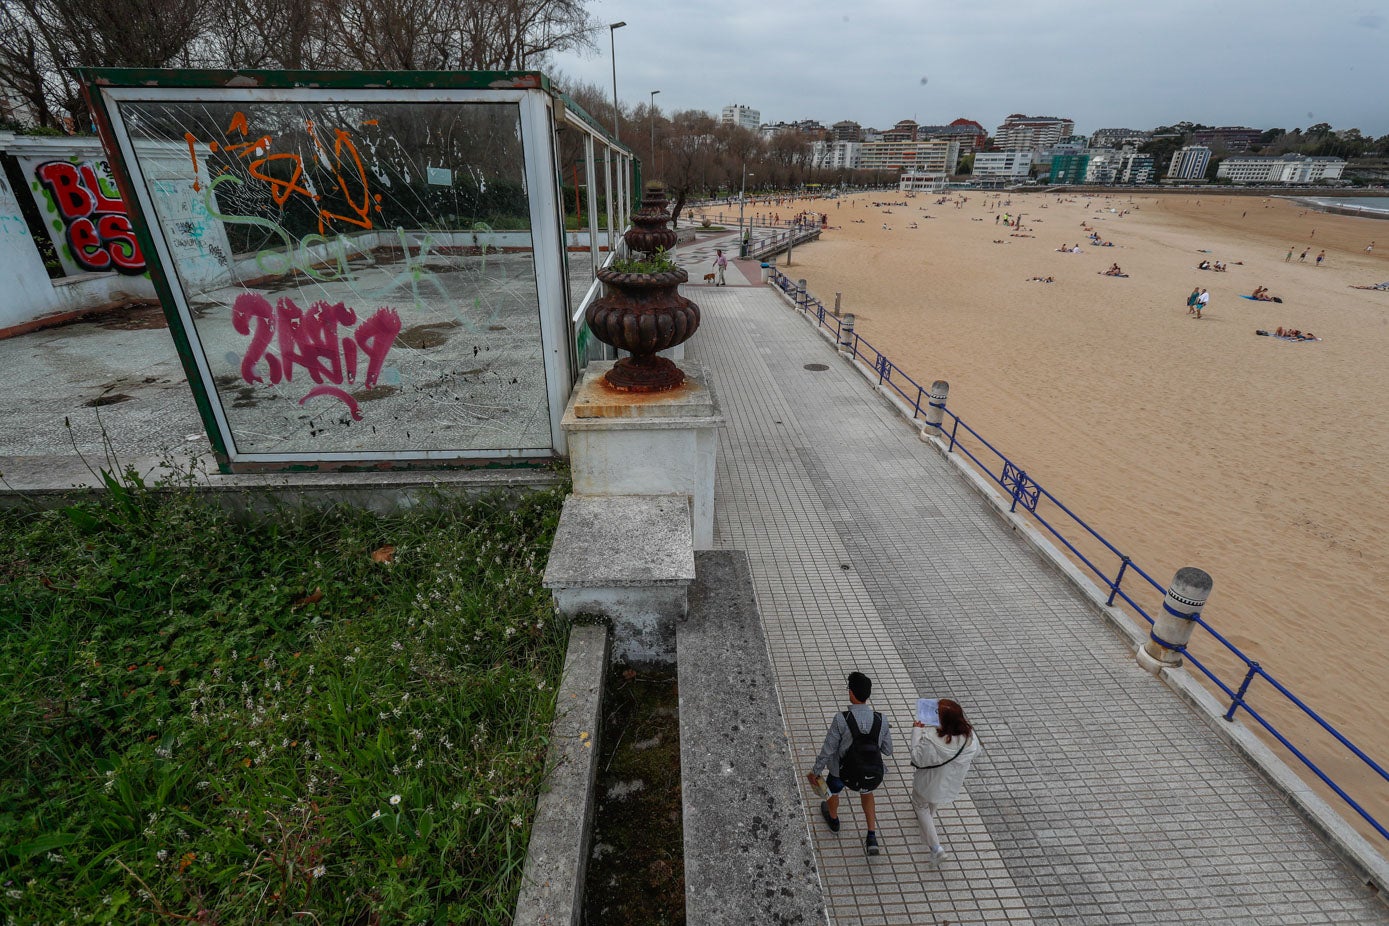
{"x": 193, "y": 153}
{"x": 248, "y": 148}
{"x": 372, "y": 122}
{"x": 342, "y": 142}
{"x": 281, "y": 190}
{"x": 238, "y": 124}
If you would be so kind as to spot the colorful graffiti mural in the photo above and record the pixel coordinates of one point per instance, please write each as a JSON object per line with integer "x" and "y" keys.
{"x": 81, "y": 202}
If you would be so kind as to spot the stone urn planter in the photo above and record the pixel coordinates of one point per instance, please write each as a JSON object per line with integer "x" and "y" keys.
{"x": 642, "y": 311}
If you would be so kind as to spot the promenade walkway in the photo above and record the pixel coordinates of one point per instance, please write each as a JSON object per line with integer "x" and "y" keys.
{"x": 1101, "y": 798}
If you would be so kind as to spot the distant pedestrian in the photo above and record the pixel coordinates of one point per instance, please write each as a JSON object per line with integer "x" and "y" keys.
{"x": 720, "y": 265}
{"x": 852, "y": 753}
{"x": 1289, "y": 257}
{"x": 1302, "y": 258}
{"x": 1369, "y": 248}
{"x": 941, "y": 756}
{"x": 1321, "y": 257}
{"x": 1191, "y": 300}
{"x": 1202, "y": 301}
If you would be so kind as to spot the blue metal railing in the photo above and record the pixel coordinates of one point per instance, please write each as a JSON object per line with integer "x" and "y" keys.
{"x": 1026, "y": 492}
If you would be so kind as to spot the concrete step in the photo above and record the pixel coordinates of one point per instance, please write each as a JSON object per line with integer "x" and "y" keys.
{"x": 630, "y": 559}
{"x": 748, "y": 856}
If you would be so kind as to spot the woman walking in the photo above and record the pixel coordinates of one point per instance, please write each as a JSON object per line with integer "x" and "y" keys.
{"x": 941, "y": 756}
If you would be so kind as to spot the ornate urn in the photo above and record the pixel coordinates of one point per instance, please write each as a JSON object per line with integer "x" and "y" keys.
{"x": 643, "y": 311}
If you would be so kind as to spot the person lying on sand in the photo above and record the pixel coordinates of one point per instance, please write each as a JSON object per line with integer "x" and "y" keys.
{"x": 1041, "y": 280}
{"x": 1381, "y": 287}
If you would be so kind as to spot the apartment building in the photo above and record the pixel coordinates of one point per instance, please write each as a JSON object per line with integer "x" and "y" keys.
{"x": 970, "y": 134}
{"x": 1119, "y": 138}
{"x": 740, "y": 115}
{"x": 1065, "y": 168}
{"x": 1290, "y": 168}
{"x": 1002, "y": 165}
{"x": 941, "y": 157}
{"x": 1232, "y": 138}
{"x": 1032, "y": 132}
{"x": 1189, "y": 163}
{"x": 846, "y": 131}
{"x": 914, "y": 180}
{"x": 833, "y": 155}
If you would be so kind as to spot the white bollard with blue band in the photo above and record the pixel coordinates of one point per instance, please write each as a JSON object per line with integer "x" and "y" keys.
{"x": 1171, "y": 632}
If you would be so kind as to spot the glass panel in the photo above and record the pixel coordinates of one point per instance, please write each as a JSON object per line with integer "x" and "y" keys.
{"x": 573, "y": 174}
{"x": 360, "y": 275}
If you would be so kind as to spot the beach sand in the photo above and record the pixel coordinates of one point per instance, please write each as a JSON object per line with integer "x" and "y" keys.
{"x": 1184, "y": 441}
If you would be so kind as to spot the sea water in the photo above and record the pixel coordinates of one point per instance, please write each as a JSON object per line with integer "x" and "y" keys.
{"x": 1378, "y": 204}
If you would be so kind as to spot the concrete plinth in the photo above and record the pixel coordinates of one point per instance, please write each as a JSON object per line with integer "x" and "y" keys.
{"x": 664, "y": 443}
{"x": 629, "y": 559}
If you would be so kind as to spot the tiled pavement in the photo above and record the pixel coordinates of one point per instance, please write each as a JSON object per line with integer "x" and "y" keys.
{"x": 1101, "y": 798}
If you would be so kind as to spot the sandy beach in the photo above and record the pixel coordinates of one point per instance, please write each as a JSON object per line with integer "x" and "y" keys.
{"x": 1184, "y": 441}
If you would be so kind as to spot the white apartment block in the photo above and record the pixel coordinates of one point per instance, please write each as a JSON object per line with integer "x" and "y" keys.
{"x": 1290, "y": 168}
{"x": 833, "y": 155}
{"x": 1002, "y": 165}
{"x": 1104, "y": 167}
{"x": 1032, "y": 132}
{"x": 1190, "y": 163}
{"x": 935, "y": 156}
{"x": 740, "y": 115}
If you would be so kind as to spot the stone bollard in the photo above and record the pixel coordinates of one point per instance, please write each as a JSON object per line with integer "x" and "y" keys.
{"x": 846, "y": 334}
{"x": 935, "y": 408}
{"x": 836, "y": 304}
{"x": 801, "y": 298}
{"x": 1185, "y": 597}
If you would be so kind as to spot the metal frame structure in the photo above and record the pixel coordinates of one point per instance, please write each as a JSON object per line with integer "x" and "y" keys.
{"x": 542, "y": 111}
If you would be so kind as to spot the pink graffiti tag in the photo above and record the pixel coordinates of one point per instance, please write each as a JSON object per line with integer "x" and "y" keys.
{"x": 310, "y": 340}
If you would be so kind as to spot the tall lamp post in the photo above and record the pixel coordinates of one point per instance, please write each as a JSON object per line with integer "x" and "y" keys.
{"x": 742, "y": 201}
{"x": 654, "y": 164}
{"x": 612, "y": 45}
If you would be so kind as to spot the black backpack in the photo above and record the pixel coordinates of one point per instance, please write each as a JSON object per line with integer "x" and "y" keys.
{"x": 861, "y": 766}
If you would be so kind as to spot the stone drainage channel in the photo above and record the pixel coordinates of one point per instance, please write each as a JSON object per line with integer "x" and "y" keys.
{"x": 729, "y": 816}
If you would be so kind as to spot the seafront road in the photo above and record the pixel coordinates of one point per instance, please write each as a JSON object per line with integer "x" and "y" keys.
{"x": 1102, "y": 796}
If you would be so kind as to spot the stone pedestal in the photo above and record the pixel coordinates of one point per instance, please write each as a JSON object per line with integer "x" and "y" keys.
{"x": 653, "y": 443}
{"x": 626, "y": 558}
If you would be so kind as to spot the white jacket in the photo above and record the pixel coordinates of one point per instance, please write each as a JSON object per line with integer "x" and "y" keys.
{"x": 940, "y": 785}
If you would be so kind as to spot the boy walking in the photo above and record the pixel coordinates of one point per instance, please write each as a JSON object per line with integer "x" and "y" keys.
{"x": 853, "y": 751}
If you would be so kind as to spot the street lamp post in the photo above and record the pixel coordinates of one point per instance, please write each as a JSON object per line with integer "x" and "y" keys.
{"x": 742, "y": 201}
{"x": 612, "y": 45}
{"x": 654, "y": 162}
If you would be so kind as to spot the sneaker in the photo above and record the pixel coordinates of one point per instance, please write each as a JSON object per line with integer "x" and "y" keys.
{"x": 832, "y": 821}
{"x": 937, "y": 856}
{"x": 872, "y": 844}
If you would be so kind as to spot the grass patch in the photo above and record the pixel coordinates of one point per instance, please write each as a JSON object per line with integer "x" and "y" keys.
{"x": 322, "y": 717}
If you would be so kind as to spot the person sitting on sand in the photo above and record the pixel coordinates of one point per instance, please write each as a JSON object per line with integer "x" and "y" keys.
{"x": 1219, "y": 267}
{"x": 1259, "y": 293}
{"x": 1114, "y": 271}
{"x": 1204, "y": 265}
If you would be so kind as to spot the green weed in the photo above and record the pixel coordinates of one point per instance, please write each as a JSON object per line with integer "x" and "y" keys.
{"x": 325, "y": 717}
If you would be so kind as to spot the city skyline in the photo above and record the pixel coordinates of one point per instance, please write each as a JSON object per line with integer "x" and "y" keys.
{"x": 870, "y": 64}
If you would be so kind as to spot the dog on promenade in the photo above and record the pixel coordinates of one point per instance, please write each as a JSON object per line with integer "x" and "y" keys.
{"x": 708, "y": 278}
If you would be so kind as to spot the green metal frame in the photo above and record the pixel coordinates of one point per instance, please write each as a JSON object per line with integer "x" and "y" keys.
{"x": 94, "y": 79}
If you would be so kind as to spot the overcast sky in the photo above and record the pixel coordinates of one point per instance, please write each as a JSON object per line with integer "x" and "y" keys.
{"x": 1260, "y": 63}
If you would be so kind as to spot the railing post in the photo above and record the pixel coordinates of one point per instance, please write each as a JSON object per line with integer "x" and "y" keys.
{"x": 1243, "y": 687}
{"x": 800, "y": 295}
{"x": 953, "y": 428}
{"x": 935, "y": 408}
{"x": 1118, "y": 580}
{"x": 836, "y": 303}
{"x": 846, "y": 335}
{"x": 1172, "y": 629}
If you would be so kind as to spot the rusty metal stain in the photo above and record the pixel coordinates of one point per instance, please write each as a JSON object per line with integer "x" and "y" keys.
{"x": 622, "y": 403}
{"x": 524, "y": 82}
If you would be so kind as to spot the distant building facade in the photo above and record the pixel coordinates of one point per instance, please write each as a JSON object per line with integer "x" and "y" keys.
{"x": 1189, "y": 163}
{"x": 915, "y": 180}
{"x": 1002, "y": 165}
{"x": 743, "y": 116}
{"x": 1032, "y": 132}
{"x": 1290, "y": 168}
{"x": 1065, "y": 168}
{"x": 1119, "y": 138}
{"x": 970, "y": 134}
{"x": 835, "y": 155}
{"x": 1232, "y": 138}
{"x": 938, "y": 156}
{"x": 846, "y": 131}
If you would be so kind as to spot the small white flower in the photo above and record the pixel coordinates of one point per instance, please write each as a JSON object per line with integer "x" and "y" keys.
{"x": 516, "y": 820}
{"x": 319, "y": 872}
{"x": 395, "y": 799}
{"x": 375, "y": 814}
